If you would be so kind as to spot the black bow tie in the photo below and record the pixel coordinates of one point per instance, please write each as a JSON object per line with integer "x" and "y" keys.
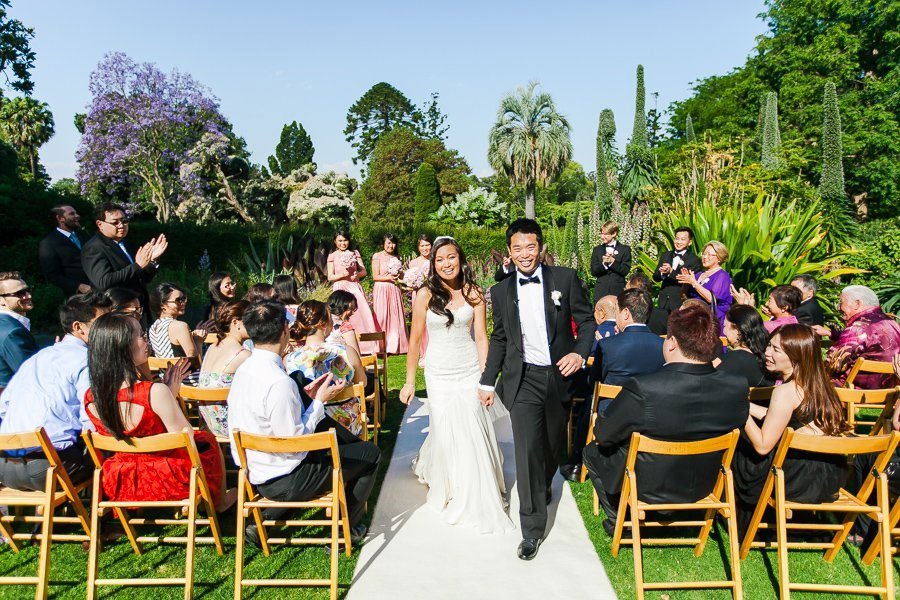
{"x": 533, "y": 279}
{"x": 610, "y": 245}
{"x": 680, "y": 253}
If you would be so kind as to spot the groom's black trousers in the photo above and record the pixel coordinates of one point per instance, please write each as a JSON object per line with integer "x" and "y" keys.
{"x": 538, "y": 417}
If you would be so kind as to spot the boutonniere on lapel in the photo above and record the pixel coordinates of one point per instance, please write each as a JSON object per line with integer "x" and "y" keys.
{"x": 555, "y": 295}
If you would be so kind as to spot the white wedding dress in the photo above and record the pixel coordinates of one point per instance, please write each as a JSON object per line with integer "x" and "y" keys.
{"x": 460, "y": 460}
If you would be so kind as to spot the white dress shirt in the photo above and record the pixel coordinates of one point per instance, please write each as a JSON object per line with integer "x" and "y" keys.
{"x": 535, "y": 342}
{"x": 265, "y": 401}
{"x": 25, "y": 321}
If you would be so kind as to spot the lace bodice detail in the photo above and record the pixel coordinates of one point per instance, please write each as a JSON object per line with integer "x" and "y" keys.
{"x": 451, "y": 349}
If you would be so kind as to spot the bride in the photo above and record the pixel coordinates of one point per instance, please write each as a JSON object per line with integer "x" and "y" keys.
{"x": 459, "y": 460}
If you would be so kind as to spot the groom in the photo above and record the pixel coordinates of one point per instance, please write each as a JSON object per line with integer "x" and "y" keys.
{"x": 535, "y": 353}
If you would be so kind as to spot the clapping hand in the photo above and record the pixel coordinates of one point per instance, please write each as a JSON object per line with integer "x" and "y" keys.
{"x": 665, "y": 269}
{"x": 159, "y": 247}
{"x": 175, "y": 374}
{"x": 686, "y": 277}
{"x": 608, "y": 259}
{"x": 144, "y": 255}
{"x": 742, "y": 296}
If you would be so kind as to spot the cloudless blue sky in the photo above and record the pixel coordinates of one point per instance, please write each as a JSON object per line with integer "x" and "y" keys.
{"x": 273, "y": 62}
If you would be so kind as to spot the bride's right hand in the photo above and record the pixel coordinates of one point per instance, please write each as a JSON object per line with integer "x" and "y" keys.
{"x": 407, "y": 392}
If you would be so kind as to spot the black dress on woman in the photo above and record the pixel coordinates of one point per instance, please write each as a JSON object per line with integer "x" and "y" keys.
{"x": 808, "y": 477}
{"x": 744, "y": 363}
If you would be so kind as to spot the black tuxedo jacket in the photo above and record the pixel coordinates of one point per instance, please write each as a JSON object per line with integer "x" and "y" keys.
{"x": 680, "y": 402}
{"x": 669, "y": 289}
{"x": 60, "y": 261}
{"x": 810, "y": 312}
{"x": 505, "y": 353}
{"x": 107, "y": 267}
{"x": 610, "y": 281}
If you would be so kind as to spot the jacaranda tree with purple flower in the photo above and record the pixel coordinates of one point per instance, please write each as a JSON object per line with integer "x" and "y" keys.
{"x": 140, "y": 128}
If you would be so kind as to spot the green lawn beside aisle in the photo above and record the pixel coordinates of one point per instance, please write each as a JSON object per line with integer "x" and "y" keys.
{"x": 759, "y": 571}
{"x": 214, "y": 574}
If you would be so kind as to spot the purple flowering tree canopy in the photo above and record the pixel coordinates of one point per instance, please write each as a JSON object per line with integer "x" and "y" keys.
{"x": 140, "y": 128}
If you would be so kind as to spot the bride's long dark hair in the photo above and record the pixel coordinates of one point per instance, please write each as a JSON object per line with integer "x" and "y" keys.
{"x": 440, "y": 293}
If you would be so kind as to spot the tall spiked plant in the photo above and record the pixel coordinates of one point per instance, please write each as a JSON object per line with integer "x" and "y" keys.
{"x": 689, "y": 130}
{"x": 769, "y": 241}
{"x": 771, "y": 134}
{"x": 640, "y": 172}
{"x": 835, "y": 203}
{"x": 606, "y": 131}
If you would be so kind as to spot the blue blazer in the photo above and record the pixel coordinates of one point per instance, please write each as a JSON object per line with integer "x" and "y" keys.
{"x": 16, "y": 346}
{"x": 635, "y": 351}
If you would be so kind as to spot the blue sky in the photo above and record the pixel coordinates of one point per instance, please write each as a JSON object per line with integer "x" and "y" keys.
{"x": 273, "y": 62}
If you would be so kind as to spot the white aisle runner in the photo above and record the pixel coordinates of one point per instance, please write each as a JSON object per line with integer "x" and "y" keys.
{"x": 410, "y": 553}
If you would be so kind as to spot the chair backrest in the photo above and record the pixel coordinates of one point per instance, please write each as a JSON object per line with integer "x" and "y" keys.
{"x": 211, "y": 338}
{"x": 157, "y": 363}
{"x": 864, "y": 365}
{"x": 271, "y": 444}
{"x": 881, "y": 397}
{"x": 198, "y": 394}
{"x": 725, "y": 443}
{"x": 604, "y": 390}
{"x": 372, "y": 336}
{"x": 369, "y": 360}
{"x": 25, "y": 440}
{"x": 182, "y": 440}
{"x": 761, "y": 394}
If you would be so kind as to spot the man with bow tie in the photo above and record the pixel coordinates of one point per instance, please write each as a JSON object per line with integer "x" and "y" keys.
{"x": 670, "y": 264}
{"x": 610, "y": 263}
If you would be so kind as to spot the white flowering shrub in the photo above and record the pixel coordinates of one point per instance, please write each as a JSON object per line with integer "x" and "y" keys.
{"x": 323, "y": 200}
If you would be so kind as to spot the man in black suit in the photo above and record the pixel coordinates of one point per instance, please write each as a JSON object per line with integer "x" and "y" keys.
{"x": 659, "y": 317}
{"x": 809, "y": 312}
{"x": 610, "y": 262}
{"x": 110, "y": 261}
{"x": 537, "y": 356}
{"x": 686, "y": 400}
{"x": 670, "y": 264}
{"x": 60, "y": 253}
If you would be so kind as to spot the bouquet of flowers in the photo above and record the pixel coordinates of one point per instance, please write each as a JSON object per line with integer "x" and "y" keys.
{"x": 394, "y": 267}
{"x": 413, "y": 279}
{"x": 347, "y": 259}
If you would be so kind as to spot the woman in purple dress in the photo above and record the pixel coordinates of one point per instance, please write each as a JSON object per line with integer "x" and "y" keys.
{"x": 713, "y": 284}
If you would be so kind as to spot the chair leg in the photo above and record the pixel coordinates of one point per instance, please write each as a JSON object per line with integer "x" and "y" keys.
{"x": 624, "y": 498}
{"x": 191, "y": 538}
{"x": 335, "y": 532}
{"x": 596, "y": 501}
{"x": 94, "y": 542}
{"x": 784, "y": 584}
{"x": 734, "y": 550}
{"x": 758, "y": 513}
{"x": 635, "y": 537}
{"x": 239, "y": 535}
{"x": 47, "y": 531}
{"x": 884, "y": 530}
{"x": 875, "y": 546}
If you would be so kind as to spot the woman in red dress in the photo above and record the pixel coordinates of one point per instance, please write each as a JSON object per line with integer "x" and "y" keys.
{"x": 119, "y": 404}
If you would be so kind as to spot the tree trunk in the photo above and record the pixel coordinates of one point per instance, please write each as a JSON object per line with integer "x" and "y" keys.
{"x": 529, "y": 200}
{"x": 32, "y": 156}
{"x": 230, "y": 197}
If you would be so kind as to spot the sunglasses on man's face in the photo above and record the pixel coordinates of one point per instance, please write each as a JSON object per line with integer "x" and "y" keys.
{"x": 26, "y": 291}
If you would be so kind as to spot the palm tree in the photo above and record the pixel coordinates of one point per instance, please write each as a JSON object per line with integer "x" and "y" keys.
{"x": 26, "y": 124}
{"x": 530, "y": 141}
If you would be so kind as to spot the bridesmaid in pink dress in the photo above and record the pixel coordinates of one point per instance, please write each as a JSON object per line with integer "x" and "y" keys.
{"x": 345, "y": 269}
{"x": 421, "y": 264}
{"x": 386, "y": 298}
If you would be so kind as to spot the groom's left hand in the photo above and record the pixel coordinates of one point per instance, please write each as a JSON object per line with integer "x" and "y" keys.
{"x": 570, "y": 363}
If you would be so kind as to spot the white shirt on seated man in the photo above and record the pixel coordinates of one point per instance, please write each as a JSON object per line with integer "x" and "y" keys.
{"x": 264, "y": 400}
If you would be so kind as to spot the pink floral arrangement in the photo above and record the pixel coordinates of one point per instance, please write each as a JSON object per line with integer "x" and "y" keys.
{"x": 414, "y": 279}
{"x": 347, "y": 259}
{"x": 394, "y": 266}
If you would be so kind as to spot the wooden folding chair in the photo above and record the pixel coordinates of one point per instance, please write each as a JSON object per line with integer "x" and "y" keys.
{"x": 357, "y": 390}
{"x": 378, "y": 336}
{"x": 761, "y": 395}
{"x": 251, "y": 503}
{"x": 199, "y": 496}
{"x": 881, "y": 400}
{"x": 712, "y": 504}
{"x": 773, "y": 496}
{"x": 875, "y": 548}
{"x": 211, "y": 338}
{"x": 157, "y": 364}
{"x": 58, "y": 491}
{"x": 374, "y": 425}
{"x": 605, "y": 391}
{"x": 192, "y": 398}
{"x": 864, "y": 365}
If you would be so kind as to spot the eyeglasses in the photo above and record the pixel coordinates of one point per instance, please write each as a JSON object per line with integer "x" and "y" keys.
{"x": 120, "y": 223}
{"x": 133, "y": 311}
{"x": 25, "y": 291}
{"x": 178, "y": 300}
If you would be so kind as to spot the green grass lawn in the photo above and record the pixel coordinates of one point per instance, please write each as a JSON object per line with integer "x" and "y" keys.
{"x": 214, "y": 574}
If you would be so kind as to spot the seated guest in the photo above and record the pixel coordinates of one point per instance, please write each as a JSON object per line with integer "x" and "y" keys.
{"x": 342, "y": 305}
{"x": 125, "y": 300}
{"x": 222, "y": 360}
{"x": 809, "y": 312}
{"x": 119, "y": 404}
{"x": 685, "y": 400}
{"x": 605, "y": 312}
{"x": 783, "y": 301}
{"x": 60, "y": 252}
{"x": 16, "y": 343}
{"x": 670, "y": 264}
{"x": 286, "y": 292}
{"x": 635, "y": 350}
{"x": 713, "y": 284}
{"x": 747, "y": 341}
{"x": 869, "y": 334}
{"x": 169, "y": 336}
{"x": 265, "y": 401}
{"x": 317, "y": 357}
{"x": 610, "y": 262}
{"x": 259, "y": 291}
{"x": 806, "y": 401}
{"x": 220, "y": 288}
{"x": 658, "y": 316}
{"x": 48, "y": 391}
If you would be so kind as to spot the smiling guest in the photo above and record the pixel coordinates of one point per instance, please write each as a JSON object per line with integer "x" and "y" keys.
{"x": 111, "y": 261}
{"x": 221, "y": 288}
{"x": 713, "y": 284}
{"x": 169, "y": 336}
{"x": 610, "y": 262}
{"x": 16, "y": 343}
{"x": 60, "y": 253}
{"x": 669, "y": 267}
{"x": 387, "y": 302}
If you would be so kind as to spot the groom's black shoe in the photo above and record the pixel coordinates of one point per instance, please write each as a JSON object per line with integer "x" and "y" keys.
{"x": 571, "y": 472}
{"x": 528, "y": 548}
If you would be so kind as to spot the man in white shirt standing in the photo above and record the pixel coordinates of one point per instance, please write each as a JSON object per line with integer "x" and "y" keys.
{"x": 263, "y": 400}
